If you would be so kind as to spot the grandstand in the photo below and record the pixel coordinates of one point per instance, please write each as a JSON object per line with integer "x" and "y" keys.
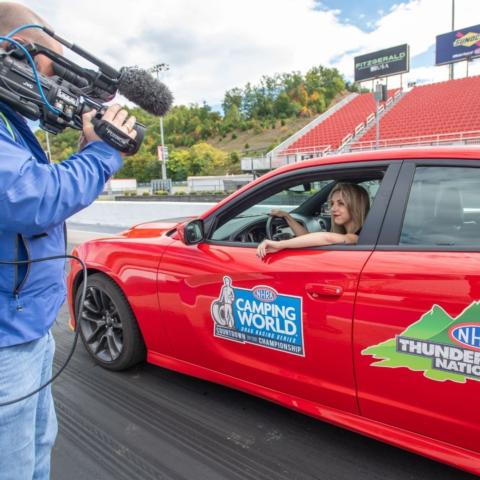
{"x": 445, "y": 112}
{"x": 440, "y": 113}
{"x": 336, "y": 130}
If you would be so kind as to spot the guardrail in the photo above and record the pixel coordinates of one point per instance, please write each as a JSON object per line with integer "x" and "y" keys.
{"x": 370, "y": 118}
{"x": 345, "y": 140}
{"x": 469, "y": 137}
{"x": 299, "y": 154}
{"x": 359, "y": 128}
{"x": 252, "y": 164}
{"x": 306, "y": 153}
{"x": 318, "y": 150}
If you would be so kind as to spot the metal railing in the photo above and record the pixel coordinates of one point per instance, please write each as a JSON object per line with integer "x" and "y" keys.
{"x": 317, "y": 149}
{"x": 360, "y": 127}
{"x": 300, "y": 154}
{"x": 345, "y": 140}
{"x": 469, "y": 137}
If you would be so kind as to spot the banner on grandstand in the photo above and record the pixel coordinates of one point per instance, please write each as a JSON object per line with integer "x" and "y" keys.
{"x": 456, "y": 46}
{"x": 383, "y": 63}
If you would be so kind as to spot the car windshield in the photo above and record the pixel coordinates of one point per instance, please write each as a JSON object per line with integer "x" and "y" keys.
{"x": 288, "y": 199}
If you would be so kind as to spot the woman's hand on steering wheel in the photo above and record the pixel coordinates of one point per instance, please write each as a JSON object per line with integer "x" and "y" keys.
{"x": 279, "y": 213}
{"x": 271, "y": 220}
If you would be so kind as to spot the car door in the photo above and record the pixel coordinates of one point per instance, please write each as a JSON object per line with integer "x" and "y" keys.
{"x": 417, "y": 317}
{"x": 284, "y": 323}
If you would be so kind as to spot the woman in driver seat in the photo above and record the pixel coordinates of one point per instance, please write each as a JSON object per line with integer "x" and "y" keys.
{"x": 349, "y": 204}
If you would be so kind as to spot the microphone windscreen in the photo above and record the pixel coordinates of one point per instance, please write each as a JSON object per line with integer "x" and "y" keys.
{"x": 145, "y": 91}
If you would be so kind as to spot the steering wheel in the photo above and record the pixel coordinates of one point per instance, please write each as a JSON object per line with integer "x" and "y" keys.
{"x": 272, "y": 224}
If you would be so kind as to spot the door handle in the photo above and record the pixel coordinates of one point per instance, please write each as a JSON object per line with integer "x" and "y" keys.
{"x": 319, "y": 290}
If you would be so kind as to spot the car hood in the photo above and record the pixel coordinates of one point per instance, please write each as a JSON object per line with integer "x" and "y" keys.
{"x": 154, "y": 229}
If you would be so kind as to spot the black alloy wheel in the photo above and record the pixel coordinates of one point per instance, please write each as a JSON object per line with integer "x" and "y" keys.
{"x": 108, "y": 327}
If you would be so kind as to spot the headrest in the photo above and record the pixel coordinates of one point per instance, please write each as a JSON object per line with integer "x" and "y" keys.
{"x": 449, "y": 208}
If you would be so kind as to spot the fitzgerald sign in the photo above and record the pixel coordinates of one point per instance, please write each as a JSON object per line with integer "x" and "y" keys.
{"x": 459, "y": 45}
{"x": 383, "y": 63}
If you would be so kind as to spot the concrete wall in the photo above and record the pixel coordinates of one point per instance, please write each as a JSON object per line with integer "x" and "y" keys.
{"x": 126, "y": 214}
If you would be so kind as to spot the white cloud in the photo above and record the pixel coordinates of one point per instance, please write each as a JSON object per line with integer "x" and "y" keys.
{"x": 215, "y": 45}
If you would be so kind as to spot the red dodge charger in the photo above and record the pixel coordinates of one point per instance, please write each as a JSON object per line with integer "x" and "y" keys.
{"x": 381, "y": 337}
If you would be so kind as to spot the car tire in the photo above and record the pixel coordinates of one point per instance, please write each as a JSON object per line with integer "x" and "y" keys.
{"x": 108, "y": 327}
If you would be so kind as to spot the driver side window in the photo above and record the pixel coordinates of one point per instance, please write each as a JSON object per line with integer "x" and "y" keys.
{"x": 249, "y": 224}
{"x": 306, "y": 202}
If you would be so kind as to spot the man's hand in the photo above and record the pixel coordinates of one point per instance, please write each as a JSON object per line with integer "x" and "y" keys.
{"x": 114, "y": 115}
{"x": 268, "y": 246}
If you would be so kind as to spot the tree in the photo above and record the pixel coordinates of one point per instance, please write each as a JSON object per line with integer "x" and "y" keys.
{"x": 178, "y": 166}
{"x": 233, "y": 118}
{"x": 232, "y": 98}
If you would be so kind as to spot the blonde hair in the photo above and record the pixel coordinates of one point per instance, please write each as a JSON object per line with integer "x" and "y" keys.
{"x": 357, "y": 203}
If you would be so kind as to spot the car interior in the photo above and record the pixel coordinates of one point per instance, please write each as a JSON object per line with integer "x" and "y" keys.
{"x": 306, "y": 201}
{"x": 442, "y": 210}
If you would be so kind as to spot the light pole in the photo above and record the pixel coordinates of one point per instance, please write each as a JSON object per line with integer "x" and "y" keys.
{"x": 451, "y": 66}
{"x": 49, "y": 152}
{"x": 161, "y": 67}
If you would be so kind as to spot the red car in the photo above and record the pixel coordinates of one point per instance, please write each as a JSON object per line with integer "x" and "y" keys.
{"x": 381, "y": 337}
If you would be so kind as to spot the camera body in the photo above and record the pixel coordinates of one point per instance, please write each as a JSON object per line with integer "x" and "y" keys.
{"x": 72, "y": 91}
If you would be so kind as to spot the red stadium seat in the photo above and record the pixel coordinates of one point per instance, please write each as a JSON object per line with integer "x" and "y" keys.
{"x": 438, "y": 109}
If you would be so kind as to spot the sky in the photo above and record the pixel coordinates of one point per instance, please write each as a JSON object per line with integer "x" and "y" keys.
{"x": 212, "y": 46}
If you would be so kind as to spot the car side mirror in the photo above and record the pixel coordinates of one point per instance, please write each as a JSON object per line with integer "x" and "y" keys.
{"x": 192, "y": 232}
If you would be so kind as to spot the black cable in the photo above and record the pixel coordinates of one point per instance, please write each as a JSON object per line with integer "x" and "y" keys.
{"x": 77, "y": 326}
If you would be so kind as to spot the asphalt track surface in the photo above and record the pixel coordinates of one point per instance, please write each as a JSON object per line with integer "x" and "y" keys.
{"x": 150, "y": 423}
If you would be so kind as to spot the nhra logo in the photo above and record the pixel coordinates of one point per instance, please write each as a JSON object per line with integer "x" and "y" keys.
{"x": 466, "y": 335}
{"x": 259, "y": 316}
{"x": 264, "y": 294}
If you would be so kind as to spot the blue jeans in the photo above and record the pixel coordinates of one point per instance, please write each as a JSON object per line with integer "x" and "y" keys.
{"x": 28, "y": 428}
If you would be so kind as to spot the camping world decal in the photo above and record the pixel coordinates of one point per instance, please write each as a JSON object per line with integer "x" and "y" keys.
{"x": 260, "y": 316}
{"x": 440, "y": 346}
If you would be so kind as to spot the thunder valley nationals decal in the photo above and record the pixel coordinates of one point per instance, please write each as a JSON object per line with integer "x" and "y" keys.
{"x": 259, "y": 316}
{"x": 440, "y": 346}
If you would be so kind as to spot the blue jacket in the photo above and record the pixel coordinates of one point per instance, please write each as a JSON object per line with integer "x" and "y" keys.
{"x": 36, "y": 197}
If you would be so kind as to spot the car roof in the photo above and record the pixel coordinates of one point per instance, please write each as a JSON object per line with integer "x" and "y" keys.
{"x": 451, "y": 152}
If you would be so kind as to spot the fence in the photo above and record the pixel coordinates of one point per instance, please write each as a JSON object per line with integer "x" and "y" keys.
{"x": 471, "y": 137}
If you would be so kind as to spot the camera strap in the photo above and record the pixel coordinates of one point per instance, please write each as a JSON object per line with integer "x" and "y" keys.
{"x": 9, "y": 127}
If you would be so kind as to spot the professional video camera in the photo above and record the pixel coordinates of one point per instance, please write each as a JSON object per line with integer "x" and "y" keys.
{"x": 74, "y": 90}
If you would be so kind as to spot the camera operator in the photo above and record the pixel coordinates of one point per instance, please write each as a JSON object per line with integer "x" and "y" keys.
{"x": 36, "y": 198}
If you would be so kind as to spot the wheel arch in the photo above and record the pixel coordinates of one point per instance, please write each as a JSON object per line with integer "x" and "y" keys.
{"x": 92, "y": 271}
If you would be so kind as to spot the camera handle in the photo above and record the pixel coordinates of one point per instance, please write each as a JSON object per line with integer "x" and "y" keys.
{"x": 116, "y": 138}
